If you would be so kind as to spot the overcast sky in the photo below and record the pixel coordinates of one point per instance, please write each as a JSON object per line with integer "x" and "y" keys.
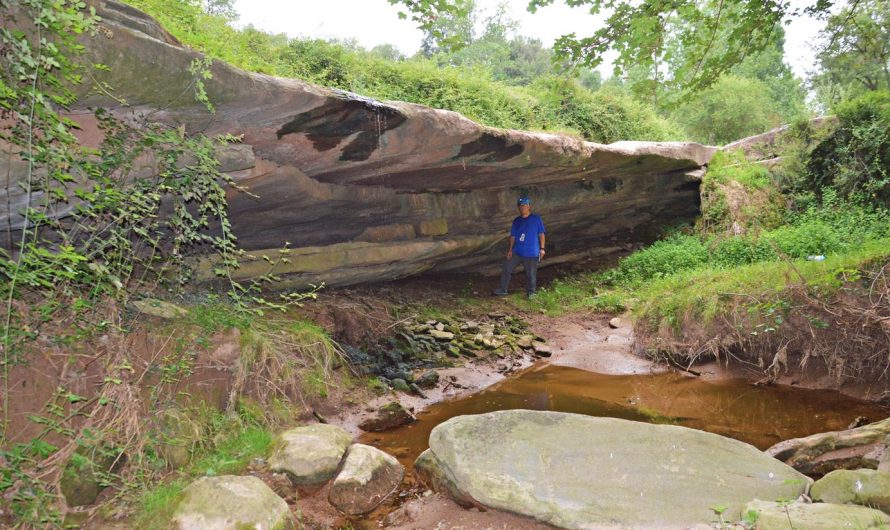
{"x": 373, "y": 22}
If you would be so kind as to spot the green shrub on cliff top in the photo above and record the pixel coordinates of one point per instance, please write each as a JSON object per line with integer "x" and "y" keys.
{"x": 854, "y": 161}
{"x": 548, "y": 104}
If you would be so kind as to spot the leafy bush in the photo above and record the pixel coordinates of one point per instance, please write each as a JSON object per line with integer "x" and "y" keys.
{"x": 811, "y": 237}
{"x": 732, "y": 165}
{"x": 605, "y": 116}
{"x": 740, "y": 251}
{"x": 666, "y": 257}
{"x": 855, "y": 160}
{"x": 733, "y": 108}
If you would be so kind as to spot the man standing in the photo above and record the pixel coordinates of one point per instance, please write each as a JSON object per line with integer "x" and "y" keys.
{"x": 526, "y": 247}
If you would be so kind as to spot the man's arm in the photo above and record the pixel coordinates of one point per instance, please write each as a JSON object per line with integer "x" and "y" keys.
{"x": 510, "y": 250}
{"x": 541, "y": 240}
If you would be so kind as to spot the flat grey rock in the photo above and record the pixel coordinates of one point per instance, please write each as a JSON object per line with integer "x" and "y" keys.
{"x": 575, "y": 471}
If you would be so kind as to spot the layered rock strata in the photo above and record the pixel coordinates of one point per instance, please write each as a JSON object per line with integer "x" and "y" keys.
{"x": 364, "y": 190}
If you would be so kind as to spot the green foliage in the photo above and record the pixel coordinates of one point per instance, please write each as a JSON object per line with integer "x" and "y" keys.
{"x": 741, "y": 250}
{"x": 854, "y": 161}
{"x": 30, "y": 502}
{"x": 233, "y": 452}
{"x": 728, "y": 166}
{"x": 732, "y": 108}
{"x": 663, "y": 258}
{"x": 855, "y": 52}
{"x": 806, "y": 239}
{"x": 445, "y": 21}
{"x": 687, "y": 45}
{"x": 159, "y": 503}
{"x": 604, "y": 116}
{"x": 787, "y": 95}
{"x": 700, "y": 294}
{"x": 228, "y": 446}
{"x": 472, "y": 80}
{"x": 214, "y": 315}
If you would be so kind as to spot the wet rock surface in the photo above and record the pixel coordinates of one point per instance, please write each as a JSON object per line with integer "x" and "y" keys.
{"x": 230, "y": 503}
{"x": 819, "y": 454}
{"x": 376, "y": 190}
{"x": 368, "y": 477}
{"x": 310, "y": 454}
{"x": 576, "y": 471}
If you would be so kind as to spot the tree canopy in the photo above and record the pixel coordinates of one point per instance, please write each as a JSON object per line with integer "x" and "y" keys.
{"x": 684, "y": 44}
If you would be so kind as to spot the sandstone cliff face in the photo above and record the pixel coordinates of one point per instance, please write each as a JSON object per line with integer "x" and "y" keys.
{"x": 364, "y": 190}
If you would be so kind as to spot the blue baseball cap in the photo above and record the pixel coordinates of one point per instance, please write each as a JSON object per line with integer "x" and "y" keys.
{"x": 524, "y": 200}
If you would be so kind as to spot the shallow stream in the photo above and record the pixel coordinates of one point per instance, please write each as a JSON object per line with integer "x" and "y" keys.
{"x": 759, "y": 415}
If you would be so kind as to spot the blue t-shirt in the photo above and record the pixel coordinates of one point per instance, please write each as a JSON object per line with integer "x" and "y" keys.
{"x": 525, "y": 230}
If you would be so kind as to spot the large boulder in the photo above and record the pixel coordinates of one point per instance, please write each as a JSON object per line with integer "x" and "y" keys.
{"x": 368, "y": 477}
{"x": 371, "y": 190}
{"x": 310, "y": 454}
{"x": 816, "y": 516}
{"x": 816, "y": 455}
{"x": 575, "y": 471}
{"x": 867, "y": 487}
{"x": 229, "y": 502}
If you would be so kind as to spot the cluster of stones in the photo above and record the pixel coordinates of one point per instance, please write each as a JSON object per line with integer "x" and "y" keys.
{"x": 854, "y": 488}
{"x": 575, "y": 471}
{"x": 311, "y": 456}
{"x": 496, "y": 333}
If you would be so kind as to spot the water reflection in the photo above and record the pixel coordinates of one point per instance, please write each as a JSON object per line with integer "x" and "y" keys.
{"x": 760, "y": 416}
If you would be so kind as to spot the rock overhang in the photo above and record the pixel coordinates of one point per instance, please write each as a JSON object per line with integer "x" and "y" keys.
{"x": 356, "y": 180}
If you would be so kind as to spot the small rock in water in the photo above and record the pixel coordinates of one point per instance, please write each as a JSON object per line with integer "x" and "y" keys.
{"x": 389, "y": 416}
{"x": 541, "y": 349}
{"x": 858, "y": 422}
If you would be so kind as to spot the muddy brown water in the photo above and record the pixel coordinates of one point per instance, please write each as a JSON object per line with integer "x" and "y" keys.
{"x": 760, "y": 416}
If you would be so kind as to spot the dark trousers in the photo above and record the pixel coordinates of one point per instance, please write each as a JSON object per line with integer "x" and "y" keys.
{"x": 531, "y": 272}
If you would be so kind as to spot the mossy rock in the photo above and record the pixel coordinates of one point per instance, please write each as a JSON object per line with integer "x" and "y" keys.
{"x": 816, "y": 516}
{"x": 83, "y": 477}
{"x": 310, "y": 454}
{"x": 368, "y": 477}
{"x": 866, "y": 487}
{"x": 228, "y": 502}
{"x": 176, "y": 434}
